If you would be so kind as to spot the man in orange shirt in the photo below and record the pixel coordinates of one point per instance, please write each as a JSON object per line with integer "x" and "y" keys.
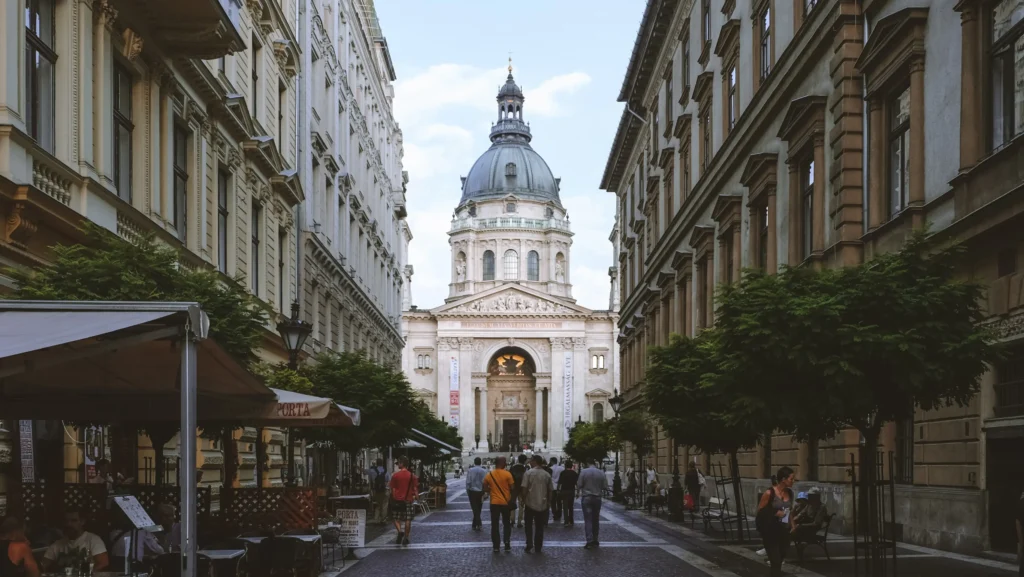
{"x": 404, "y": 490}
{"x": 498, "y": 483}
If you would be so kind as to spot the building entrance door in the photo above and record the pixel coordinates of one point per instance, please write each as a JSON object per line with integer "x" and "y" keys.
{"x": 510, "y": 432}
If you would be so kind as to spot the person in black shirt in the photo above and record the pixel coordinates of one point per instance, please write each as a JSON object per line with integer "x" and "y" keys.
{"x": 567, "y": 492}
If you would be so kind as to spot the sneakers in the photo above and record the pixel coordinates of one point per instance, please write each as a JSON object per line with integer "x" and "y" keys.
{"x": 508, "y": 547}
{"x": 497, "y": 550}
{"x": 405, "y": 541}
{"x": 398, "y": 540}
{"x": 529, "y": 550}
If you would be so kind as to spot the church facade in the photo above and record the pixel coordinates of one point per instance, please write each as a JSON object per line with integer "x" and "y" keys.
{"x": 510, "y": 358}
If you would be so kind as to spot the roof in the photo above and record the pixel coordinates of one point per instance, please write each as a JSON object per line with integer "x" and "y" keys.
{"x": 531, "y": 176}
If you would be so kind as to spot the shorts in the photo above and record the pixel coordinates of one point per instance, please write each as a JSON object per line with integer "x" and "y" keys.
{"x": 402, "y": 511}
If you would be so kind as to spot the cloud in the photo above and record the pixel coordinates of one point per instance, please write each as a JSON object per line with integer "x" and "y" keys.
{"x": 436, "y": 150}
{"x": 543, "y": 101}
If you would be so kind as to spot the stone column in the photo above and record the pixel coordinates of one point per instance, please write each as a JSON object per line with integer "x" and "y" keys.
{"x": 484, "y": 420}
{"x": 820, "y": 211}
{"x": 917, "y": 135}
{"x": 737, "y": 253}
{"x": 103, "y": 93}
{"x": 580, "y": 368}
{"x": 972, "y": 144}
{"x": 876, "y": 165}
{"x": 773, "y": 241}
{"x": 557, "y": 437}
{"x": 538, "y": 411}
{"x": 444, "y": 353}
{"x": 795, "y": 216}
{"x": 12, "y": 22}
{"x": 467, "y": 409}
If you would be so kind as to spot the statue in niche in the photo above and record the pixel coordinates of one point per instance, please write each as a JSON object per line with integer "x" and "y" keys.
{"x": 559, "y": 271}
{"x": 460, "y": 270}
{"x": 509, "y": 365}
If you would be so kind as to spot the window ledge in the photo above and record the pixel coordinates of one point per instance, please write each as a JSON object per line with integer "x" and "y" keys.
{"x": 598, "y": 371}
{"x": 424, "y": 371}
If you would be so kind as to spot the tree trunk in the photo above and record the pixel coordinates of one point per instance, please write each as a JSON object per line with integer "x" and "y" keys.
{"x": 734, "y": 464}
{"x": 868, "y": 500}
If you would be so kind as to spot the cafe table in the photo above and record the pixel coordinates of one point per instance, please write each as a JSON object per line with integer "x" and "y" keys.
{"x": 314, "y": 543}
{"x": 225, "y": 561}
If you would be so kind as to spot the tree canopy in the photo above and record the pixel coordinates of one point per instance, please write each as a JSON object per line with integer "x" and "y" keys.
{"x": 107, "y": 268}
{"x": 591, "y": 442}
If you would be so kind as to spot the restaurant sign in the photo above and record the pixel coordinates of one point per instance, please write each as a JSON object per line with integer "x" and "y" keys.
{"x": 293, "y": 410}
{"x": 352, "y": 528}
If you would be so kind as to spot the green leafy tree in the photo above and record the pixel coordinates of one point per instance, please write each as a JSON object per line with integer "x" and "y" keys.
{"x": 383, "y": 395}
{"x": 107, "y": 268}
{"x": 689, "y": 392}
{"x": 634, "y": 428}
{"x": 591, "y": 442}
{"x": 856, "y": 347}
{"x": 427, "y": 422}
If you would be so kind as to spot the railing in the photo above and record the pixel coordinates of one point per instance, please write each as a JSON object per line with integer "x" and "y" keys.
{"x": 1010, "y": 399}
{"x": 510, "y": 222}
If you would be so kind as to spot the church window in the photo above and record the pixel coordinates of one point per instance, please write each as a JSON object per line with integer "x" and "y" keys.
{"x": 510, "y": 169}
{"x": 598, "y": 413}
{"x": 533, "y": 266}
{"x": 549, "y": 212}
{"x": 510, "y": 207}
{"x": 511, "y": 265}
{"x": 488, "y": 265}
{"x": 597, "y": 361}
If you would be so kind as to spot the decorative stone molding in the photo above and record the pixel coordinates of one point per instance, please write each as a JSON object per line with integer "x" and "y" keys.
{"x": 579, "y": 343}
{"x": 19, "y": 228}
{"x": 106, "y": 14}
{"x": 465, "y": 343}
{"x": 132, "y": 44}
{"x": 1006, "y": 327}
{"x": 512, "y": 302}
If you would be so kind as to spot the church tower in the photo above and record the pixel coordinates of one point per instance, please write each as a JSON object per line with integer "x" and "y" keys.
{"x": 509, "y": 225}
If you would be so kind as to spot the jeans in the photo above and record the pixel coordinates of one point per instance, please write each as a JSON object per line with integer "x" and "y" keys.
{"x": 380, "y": 500}
{"x": 556, "y": 506}
{"x": 521, "y": 499}
{"x": 535, "y": 522}
{"x": 776, "y": 544}
{"x": 568, "y": 499}
{"x": 505, "y": 514}
{"x": 591, "y": 517}
{"x": 476, "y": 501}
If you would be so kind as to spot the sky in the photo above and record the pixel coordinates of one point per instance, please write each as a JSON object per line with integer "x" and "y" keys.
{"x": 450, "y": 56}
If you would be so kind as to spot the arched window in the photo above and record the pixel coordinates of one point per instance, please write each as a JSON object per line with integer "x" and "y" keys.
{"x": 600, "y": 361}
{"x": 488, "y": 265}
{"x": 598, "y": 413}
{"x": 533, "y": 266}
{"x": 511, "y": 265}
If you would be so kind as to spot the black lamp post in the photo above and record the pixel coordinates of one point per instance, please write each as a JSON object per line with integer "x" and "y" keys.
{"x": 477, "y": 439}
{"x": 294, "y": 332}
{"x": 616, "y": 403}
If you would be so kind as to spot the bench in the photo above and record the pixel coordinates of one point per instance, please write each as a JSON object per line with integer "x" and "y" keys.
{"x": 820, "y": 538}
{"x": 717, "y": 509}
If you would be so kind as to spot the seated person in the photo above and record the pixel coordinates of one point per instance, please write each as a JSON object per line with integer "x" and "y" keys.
{"x": 39, "y": 533}
{"x": 76, "y": 537}
{"x": 20, "y": 563}
{"x": 146, "y": 545}
{"x": 170, "y": 538}
{"x": 808, "y": 519}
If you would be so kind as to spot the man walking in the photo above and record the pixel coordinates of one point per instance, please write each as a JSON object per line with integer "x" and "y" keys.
{"x": 518, "y": 470}
{"x": 567, "y": 492}
{"x": 591, "y": 486}
{"x": 475, "y": 490}
{"x": 499, "y": 484}
{"x": 537, "y": 489}
{"x": 404, "y": 489}
{"x": 556, "y": 503}
{"x": 379, "y": 484}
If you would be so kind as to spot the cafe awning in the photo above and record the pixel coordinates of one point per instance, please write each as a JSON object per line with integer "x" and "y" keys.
{"x": 291, "y": 409}
{"x": 439, "y": 443}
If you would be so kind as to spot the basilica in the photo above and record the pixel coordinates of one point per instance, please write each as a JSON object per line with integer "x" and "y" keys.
{"x": 510, "y": 358}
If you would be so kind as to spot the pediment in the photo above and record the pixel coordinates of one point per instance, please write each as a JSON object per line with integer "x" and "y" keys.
{"x": 598, "y": 394}
{"x": 513, "y": 300}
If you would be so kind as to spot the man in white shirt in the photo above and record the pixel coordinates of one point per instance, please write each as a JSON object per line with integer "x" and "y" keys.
{"x": 556, "y": 504}
{"x": 76, "y": 537}
{"x": 170, "y": 538}
{"x": 146, "y": 544}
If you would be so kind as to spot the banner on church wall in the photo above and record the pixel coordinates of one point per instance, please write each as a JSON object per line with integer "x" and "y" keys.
{"x": 567, "y": 388}
{"x": 453, "y": 375}
{"x": 453, "y": 393}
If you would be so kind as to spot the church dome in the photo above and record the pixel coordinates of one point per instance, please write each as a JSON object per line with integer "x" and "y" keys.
{"x": 510, "y": 165}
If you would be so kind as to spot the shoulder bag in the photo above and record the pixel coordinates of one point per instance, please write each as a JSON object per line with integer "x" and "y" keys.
{"x": 511, "y": 504}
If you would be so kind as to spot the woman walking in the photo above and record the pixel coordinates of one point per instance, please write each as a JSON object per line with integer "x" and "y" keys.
{"x": 773, "y": 519}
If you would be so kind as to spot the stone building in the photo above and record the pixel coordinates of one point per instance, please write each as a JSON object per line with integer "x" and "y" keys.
{"x": 355, "y": 236}
{"x": 757, "y": 133}
{"x": 510, "y": 358}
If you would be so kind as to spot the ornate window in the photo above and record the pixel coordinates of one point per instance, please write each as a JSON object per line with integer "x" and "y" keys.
{"x": 533, "y": 266}
{"x": 254, "y": 73}
{"x": 763, "y": 28}
{"x": 282, "y": 264}
{"x": 254, "y": 232}
{"x": 511, "y": 261}
{"x": 223, "y": 180}
{"x": 732, "y": 102}
{"x": 510, "y": 206}
{"x": 180, "y": 145}
{"x": 898, "y": 188}
{"x": 598, "y": 416}
{"x": 488, "y": 265}
{"x": 123, "y": 128}
{"x": 597, "y": 361}
{"x": 1007, "y": 52}
{"x": 40, "y": 83}
{"x": 806, "y": 208}
{"x": 762, "y": 237}
{"x": 510, "y": 169}
{"x": 668, "y": 97}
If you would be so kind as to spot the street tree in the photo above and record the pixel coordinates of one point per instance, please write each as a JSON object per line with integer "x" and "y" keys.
{"x": 591, "y": 442}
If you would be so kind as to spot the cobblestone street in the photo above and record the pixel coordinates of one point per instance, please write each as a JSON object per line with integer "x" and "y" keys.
{"x": 632, "y": 545}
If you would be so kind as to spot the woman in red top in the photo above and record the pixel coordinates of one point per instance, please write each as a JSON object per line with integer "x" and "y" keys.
{"x": 404, "y": 490}
{"x": 18, "y": 561}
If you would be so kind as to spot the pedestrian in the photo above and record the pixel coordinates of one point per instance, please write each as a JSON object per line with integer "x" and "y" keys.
{"x": 404, "y": 490}
{"x": 1020, "y": 535}
{"x": 772, "y": 520}
{"x": 694, "y": 482}
{"x": 499, "y": 484}
{"x": 556, "y": 503}
{"x": 762, "y": 552}
{"x": 475, "y": 490}
{"x": 16, "y": 551}
{"x": 518, "y": 470}
{"x": 567, "y": 492}
{"x": 379, "y": 486}
{"x": 537, "y": 497}
{"x": 592, "y": 485}
{"x": 652, "y": 477}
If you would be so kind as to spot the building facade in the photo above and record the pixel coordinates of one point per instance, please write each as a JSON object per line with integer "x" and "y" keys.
{"x": 510, "y": 358}
{"x": 355, "y": 236}
{"x": 761, "y": 133}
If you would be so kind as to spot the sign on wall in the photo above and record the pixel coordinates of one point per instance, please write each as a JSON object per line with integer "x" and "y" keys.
{"x": 28, "y": 453}
{"x": 567, "y": 389}
{"x": 453, "y": 392}
{"x": 352, "y": 532}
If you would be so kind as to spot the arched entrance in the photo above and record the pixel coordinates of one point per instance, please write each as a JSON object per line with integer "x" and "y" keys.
{"x": 511, "y": 388}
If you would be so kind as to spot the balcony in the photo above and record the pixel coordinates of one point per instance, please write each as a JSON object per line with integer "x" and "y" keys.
{"x": 1009, "y": 399}
{"x": 510, "y": 222}
{"x": 203, "y": 29}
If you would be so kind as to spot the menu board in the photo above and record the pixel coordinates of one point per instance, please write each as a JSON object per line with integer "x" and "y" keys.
{"x": 352, "y": 528}
{"x": 27, "y": 449}
{"x": 134, "y": 511}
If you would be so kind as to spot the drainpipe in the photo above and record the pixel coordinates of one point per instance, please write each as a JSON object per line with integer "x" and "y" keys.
{"x": 301, "y": 144}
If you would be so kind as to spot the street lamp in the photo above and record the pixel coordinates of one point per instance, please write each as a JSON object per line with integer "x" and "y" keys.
{"x": 616, "y": 403}
{"x": 294, "y": 333}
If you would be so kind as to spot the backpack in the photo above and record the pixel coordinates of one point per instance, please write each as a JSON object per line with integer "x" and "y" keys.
{"x": 518, "y": 471}
{"x": 380, "y": 482}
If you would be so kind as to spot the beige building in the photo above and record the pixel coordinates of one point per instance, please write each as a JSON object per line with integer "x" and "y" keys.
{"x": 355, "y": 236}
{"x": 758, "y": 133}
{"x": 510, "y": 358}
